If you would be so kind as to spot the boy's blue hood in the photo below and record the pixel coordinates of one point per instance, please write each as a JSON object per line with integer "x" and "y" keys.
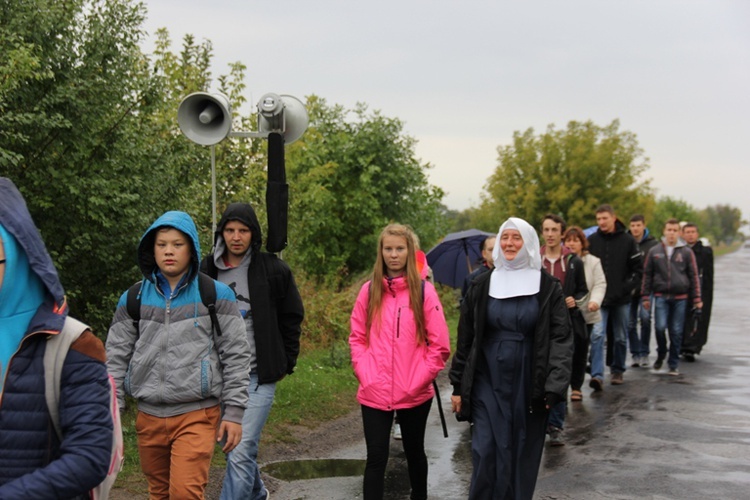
{"x": 36, "y": 299}
{"x": 16, "y": 219}
{"x": 178, "y": 220}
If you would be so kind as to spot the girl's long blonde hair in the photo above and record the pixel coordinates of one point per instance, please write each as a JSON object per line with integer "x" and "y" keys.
{"x": 413, "y": 279}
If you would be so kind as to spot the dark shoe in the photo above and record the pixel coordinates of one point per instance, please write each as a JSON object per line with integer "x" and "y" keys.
{"x": 617, "y": 379}
{"x": 555, "y": 436}
{"x": 658, "y": 363}
{"x": 688, "y": 356}
{"x": 597, "y": 384}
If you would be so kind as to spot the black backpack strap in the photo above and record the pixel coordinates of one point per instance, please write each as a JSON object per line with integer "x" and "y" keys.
{"x": 207, "y": 289}
{"x": 133, "y": 305}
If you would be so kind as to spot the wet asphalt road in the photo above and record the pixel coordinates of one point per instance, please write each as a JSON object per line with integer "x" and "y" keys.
{"x": 655, "y": 437}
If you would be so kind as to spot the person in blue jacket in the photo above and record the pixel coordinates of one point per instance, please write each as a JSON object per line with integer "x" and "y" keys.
{"x": 34, "y": 463}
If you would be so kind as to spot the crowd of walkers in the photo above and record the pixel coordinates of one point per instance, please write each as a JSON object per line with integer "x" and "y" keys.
{"x": 534, "y": 320}
{"x": 200, "y": 343}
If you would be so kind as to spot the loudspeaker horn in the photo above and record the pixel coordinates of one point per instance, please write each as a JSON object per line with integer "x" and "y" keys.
{"x": 284, "y": 114}
{"x": 205, "y": 118}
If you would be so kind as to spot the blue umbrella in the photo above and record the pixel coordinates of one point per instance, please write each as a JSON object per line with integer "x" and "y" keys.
{"x": 451, "y": 260}
{"x": 590, "y": 230}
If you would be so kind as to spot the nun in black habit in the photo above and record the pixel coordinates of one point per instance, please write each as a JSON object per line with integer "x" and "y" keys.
{"x": 512, "y": 364}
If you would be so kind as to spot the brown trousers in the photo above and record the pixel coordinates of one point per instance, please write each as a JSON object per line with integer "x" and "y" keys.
{"x": 176, "y": 452}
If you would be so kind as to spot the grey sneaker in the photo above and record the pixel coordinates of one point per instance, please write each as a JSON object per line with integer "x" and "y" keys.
{"x": 555, "y": 436}
{"x": 644, "y": 362}
{"x": 636, "y": 362}
{"x": 674, "y": 372}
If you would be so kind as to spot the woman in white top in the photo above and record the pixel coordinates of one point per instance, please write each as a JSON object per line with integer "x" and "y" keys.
{"x": 575, "y": 240}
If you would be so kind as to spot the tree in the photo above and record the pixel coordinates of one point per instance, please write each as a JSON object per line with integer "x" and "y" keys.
{"x": 349, "y": 178}
{"x": 568, "y": 172}
{"x": 667, "y": 208}
{"x": 93, "y": 146}
{"x": 720, "y": 223}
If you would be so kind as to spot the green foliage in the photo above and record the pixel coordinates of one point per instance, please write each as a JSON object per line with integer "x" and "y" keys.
{"x": 569, "y": 172}
{"x": 349, "y": 178}
{"x": 667, "y": 208}
{"x": 720, "y": 223}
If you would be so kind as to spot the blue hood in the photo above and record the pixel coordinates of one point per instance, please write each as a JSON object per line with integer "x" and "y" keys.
{"x": 29, "y": 268}
{"x": 174, "y": 219}
{"x": 16, "y": 219}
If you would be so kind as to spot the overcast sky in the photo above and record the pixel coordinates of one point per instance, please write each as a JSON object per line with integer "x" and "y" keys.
{"x": 464, "y": 75}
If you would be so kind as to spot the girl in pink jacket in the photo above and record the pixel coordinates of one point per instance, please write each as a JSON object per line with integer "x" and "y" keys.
{"x": 399, "y": 343}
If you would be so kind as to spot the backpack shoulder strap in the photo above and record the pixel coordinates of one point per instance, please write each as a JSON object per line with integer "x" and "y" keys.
{"x": 207, "y": 289}
{"x": 55, "y": 352}
{"x": 133, "y": 305}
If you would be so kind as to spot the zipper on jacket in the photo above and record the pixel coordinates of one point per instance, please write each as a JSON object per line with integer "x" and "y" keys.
{"x": 398, "y": 323}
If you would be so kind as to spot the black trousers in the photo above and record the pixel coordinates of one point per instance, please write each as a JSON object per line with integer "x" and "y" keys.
{"x": 377, "y": 425}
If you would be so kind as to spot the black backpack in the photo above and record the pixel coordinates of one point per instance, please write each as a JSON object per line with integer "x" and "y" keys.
{"x": 206, "y": 287}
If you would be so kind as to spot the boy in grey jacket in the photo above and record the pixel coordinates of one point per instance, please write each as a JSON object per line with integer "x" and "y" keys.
{"x": 176, "y": 366}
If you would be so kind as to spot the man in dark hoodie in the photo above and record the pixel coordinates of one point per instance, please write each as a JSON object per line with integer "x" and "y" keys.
{"x": 623, "y": 267}
{"x": 639, "y": 344}
{"x": 273, "y": 312}
{"x": 34, "y": 463}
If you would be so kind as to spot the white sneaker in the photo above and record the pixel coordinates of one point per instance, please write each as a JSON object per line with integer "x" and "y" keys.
{"x": 396, "y": 431}
{"x": 644, "y": 362}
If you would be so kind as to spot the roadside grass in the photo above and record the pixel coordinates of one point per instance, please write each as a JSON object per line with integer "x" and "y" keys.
{"x": 722, "y": 249}
{"x": 322, "y": 388}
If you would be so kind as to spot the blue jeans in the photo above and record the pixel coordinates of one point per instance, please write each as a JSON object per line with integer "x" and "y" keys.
{"x": 671, "y": 313}
{"x": 242, "y": 478}
{"x": 639, "y": 345}
{"x": 597, "y": 350}
{"x": 557, "y": 415}
{"x": 619, "y": 316}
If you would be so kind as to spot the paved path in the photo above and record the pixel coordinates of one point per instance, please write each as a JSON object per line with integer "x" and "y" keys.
{"x": 655, "y": 437}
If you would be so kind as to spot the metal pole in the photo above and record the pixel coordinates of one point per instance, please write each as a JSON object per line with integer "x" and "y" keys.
{"x": 213, "y": 191}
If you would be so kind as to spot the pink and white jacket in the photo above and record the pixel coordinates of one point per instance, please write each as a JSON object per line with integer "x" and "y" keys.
{"x": 393, "y": 371}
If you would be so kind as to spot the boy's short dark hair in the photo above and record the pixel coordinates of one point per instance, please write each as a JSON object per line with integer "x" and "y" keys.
{"x": 556, "y": 219}
{"x": 689, "y": 224}
{"x": 638, "y": 218}
{"x": 671, "y": 220}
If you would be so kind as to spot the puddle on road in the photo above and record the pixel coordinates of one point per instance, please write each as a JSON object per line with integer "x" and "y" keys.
{"x": 294, "y": 470}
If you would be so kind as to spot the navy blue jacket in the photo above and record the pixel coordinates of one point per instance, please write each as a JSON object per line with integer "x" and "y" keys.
{"x": 33, "y": 462}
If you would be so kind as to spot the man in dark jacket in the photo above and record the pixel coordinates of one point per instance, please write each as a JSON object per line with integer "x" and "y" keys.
{"x": 639, "y": 344}
{"x": 694, "y": 340}
{"x": 34, "y": 463}
{"x": 671, "y": 275}
{"x": 567, "y": 267}
{"x": 273, "y": 312}
{"x": 622, "y": 264}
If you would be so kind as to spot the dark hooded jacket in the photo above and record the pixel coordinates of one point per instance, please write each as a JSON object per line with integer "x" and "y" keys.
{"x": 275, "y": 302}
{"x": 621, "y": 261}
{"x": 33, "y": 462}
